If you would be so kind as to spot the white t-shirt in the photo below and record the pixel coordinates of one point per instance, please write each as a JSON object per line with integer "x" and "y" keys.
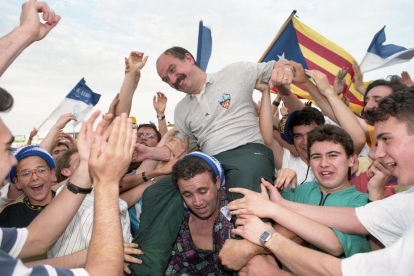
{"x": 295, "y": 163}
{"x": 391, "y": 221}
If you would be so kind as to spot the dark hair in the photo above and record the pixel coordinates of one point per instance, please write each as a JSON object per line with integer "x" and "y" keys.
{"x": 153, "y": 127}
{"x": 331, "y": 133}
{"x": 399, "y": 104}
{"x": 62, "y": 162}
{"x": 190, "y": 166}
{"x": 393, "y": 81}
{"x": 6, "y": 100}
{"x": 178, "y": 52}
{"x": 307, "y": 116}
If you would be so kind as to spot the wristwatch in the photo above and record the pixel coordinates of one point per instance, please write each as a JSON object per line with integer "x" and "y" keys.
{"x": 266, "y": 236}
{"x": 144, "y": 177}
{"x": 77, "y": 190}
{"x": 161, "y": 117}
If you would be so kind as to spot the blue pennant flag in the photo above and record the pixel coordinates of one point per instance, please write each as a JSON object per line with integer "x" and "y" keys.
{"x": 80, "y": 101}
{"x": 205, "y": 43}
{"x": 379, "y": 55}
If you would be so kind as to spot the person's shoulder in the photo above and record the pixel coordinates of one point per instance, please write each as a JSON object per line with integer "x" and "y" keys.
{"x": 355, "y": 197}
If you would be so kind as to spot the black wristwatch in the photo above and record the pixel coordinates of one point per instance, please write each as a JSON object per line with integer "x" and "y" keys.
{"x": 161, "y": 117}
{"x": 77, "y": 190}
{"x": 144, "y": 177}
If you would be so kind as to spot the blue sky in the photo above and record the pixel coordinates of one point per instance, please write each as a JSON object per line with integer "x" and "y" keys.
{"x": 93, "y": 38}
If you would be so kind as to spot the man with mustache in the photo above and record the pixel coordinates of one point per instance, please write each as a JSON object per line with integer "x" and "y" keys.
{"x": 217, "y": 113}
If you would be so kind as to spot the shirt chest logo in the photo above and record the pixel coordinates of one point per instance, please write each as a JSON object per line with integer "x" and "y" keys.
{"x": 224, "y": 100}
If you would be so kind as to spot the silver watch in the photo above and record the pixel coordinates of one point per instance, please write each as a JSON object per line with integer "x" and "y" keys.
{"x": 161, "y": 117}
{"x": 266, "y": 236}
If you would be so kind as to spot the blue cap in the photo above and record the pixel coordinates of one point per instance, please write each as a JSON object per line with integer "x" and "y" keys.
{"x": 32, "y": 151}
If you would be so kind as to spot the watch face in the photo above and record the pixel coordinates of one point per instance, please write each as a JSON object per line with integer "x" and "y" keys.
{"x": 264, "y": 236}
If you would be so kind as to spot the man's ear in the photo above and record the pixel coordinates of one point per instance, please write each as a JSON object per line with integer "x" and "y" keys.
{"x": 65, "y": 172}
{"x": 352, "y": 160}
{"x": 16, "y": 182}
{"x": 189, "y": 58}
{"x": 218, "y": 182}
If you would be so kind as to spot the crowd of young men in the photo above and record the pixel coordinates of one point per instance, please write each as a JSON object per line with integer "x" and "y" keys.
{"x": 206, "y": 202}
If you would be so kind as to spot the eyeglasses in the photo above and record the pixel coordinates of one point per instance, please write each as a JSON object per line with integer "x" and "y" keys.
{"x": 27, "y": 174}
{"x": 147, "y": 135}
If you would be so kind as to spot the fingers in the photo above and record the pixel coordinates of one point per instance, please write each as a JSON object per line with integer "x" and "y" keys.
{"x": 242, "y": 191}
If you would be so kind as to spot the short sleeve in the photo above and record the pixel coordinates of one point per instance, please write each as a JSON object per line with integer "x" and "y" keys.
{"x": 352, "y": 244}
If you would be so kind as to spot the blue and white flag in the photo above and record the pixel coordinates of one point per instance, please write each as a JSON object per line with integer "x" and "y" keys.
{"x": 205, "y": 43}
{"x": 80, "y": 101}
{"x": 380, "y": 56}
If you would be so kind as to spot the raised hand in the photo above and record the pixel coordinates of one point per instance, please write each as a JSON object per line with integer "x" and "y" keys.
{"x": 64, "y": 120}
{"x": 339, "y": 81}
{"x": 29, "y": 19}
{"x": 405, "y": 78}
{"x": 321, "y": 81}
{"x": 135, "y": 62}
{"x": 109, "y": 161}
{"x": 160, "y": 103}
{"x": 282, "y": 74}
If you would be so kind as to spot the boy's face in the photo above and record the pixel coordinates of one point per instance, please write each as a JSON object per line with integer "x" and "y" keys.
{"x": 300, "y": 139}
{"x": 395, "y": 147}
{"x": 7, "y": 159}
{"x": 36, "y": 187}
{"x": 330, "y": 164}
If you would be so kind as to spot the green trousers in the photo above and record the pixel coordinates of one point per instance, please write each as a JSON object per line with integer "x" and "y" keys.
{"x": 162, "y": 204}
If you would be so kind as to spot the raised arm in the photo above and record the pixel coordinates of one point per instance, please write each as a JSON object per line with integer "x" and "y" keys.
{"x": 320, "y": 100}
{"x": 33, "y": 133}
{"x": 346, "y": 119}
{"x": 108, "y": 163}
{"x": 359, "y": 83}
{"x": 266, "y": 123}
{"x": 47, "y": 142}
{"x": 59, "y": 213}
{"x": 160, "y": 103}
{"x": 29, "y": 31}
{"x": 133, "y": 65}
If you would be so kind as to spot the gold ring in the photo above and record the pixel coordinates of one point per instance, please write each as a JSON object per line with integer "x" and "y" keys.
{"x": 285, "y": 78}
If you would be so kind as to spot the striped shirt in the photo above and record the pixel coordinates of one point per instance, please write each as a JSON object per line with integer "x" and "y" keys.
{"x": 12, "y": 241}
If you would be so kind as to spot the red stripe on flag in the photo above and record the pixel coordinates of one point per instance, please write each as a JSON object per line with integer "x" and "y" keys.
{"x": 322, "y": 51}
{"x": 331, "y": 78}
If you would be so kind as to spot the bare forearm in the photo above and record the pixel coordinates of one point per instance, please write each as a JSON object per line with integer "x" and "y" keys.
{"x": 105, "y": 254}
{"x": 75, "y": 260}
{"x": 311, "y": 231}
{"x": 159, "y": 153}
{"x": 343, "y": 219}
{"x": 320, "y": 101}
{"x": 289, "y": 99}
{"x": 47, "y": 142}
{"x": 162, "y": 126}
{"x": 265, "y": 119}
{"x": 302, "y": 260}
{"x": 126, "y": 93}
{"x": 348, "y": 121}
{"x": 11, "y": 46}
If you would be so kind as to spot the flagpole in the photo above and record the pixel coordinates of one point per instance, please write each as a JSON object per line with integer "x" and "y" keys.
{"x": 277, "y": 36}
{"x": 48, "y": 117}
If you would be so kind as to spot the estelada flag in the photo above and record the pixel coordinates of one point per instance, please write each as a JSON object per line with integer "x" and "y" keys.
{"x": 296, "y": 41}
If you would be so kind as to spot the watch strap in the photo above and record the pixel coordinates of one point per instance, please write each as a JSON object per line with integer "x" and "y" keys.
{"x": 161, "y": 117}
{"x": 144, "y": 177}
{"x": 77, "y": 190}
{"x": 266, "y": 236}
